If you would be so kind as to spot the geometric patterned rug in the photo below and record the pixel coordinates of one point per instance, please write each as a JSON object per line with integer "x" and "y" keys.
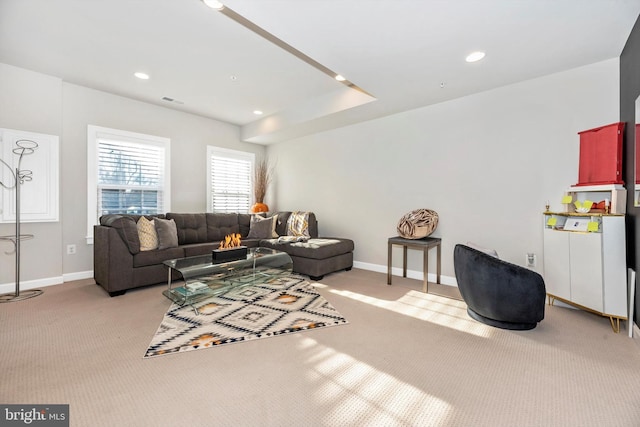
{"x": 282, "y": 306}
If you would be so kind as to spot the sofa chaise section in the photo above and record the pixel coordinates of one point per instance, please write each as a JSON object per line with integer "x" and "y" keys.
{"x": 317, "y": 257}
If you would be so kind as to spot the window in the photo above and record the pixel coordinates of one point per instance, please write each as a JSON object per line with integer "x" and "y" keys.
{"x": 229, "y": 184}
{"x": 128, "y": 173}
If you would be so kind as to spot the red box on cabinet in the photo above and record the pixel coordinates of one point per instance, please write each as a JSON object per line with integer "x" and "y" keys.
{"x": 601, "y": 155}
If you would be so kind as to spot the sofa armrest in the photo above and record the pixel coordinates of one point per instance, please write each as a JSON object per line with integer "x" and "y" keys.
{"x": 112, "y": 261}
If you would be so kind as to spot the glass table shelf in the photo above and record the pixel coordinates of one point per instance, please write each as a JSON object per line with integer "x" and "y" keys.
{"x": 204, "y": 278}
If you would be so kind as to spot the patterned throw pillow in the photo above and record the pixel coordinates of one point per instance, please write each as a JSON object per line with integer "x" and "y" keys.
{"x": 263, "y": 228}
{"x": 147, "y": 234}
{"x": 298, "y": 224}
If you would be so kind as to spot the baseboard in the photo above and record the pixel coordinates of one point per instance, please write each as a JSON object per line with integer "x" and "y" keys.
{"x": 7, "y": 288}
{"x": 80, "y": 275}
{"x": 411, "y": 274}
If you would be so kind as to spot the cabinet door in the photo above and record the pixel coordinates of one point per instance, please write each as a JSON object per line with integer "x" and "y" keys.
{"x": 586, "y": 270}
{"x": 614, "y": 269}
{"x": 556, "y": 263}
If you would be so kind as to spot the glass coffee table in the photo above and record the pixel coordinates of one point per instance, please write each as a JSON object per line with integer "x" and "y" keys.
{"x": 204, "y": 278}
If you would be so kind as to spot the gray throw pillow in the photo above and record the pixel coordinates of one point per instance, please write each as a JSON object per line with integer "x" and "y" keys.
{"x": 167, "y": 233}
{"x": 263, "y": 228}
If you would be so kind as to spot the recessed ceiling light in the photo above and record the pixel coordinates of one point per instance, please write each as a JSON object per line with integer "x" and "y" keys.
{"x": 340, "y": 78}
{"x": 475, "y": 56}
{"x": 214, "y": 4}
{"x": 257, "y": 112}
{"x": 142, "y": 76}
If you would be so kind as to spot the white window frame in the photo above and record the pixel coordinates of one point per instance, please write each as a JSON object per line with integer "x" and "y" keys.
{"x": 94, "y": 133}
{"x": 233, "y": 154}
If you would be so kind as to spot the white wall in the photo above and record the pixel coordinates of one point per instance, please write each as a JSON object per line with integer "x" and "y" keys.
{"x": 486, "y": 163}
{"x": 31, "y": 102}
{"x": 35, "y": 102}
{"x": 189, "y": 134}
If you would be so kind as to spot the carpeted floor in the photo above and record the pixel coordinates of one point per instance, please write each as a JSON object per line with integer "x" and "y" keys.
{"x": 279, "y": 306}
{"x": 405, "y": 359}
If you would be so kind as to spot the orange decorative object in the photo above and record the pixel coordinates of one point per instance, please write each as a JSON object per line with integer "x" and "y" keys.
{"x": 600, "y": 205}
{"x": 259, "y": 207}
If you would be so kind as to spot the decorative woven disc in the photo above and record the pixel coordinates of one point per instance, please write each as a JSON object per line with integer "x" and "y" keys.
{"x": 418, "y": 224}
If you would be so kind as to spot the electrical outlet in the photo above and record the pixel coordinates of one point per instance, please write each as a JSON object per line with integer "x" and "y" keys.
{"x": 71, "y": 249}
{"x": 531, "y": 260}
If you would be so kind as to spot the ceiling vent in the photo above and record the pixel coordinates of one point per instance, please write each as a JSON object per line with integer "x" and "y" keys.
{"x": 175, "y": 101}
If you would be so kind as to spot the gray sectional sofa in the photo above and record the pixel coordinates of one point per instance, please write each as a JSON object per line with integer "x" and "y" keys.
{"x": 119, "y": 264}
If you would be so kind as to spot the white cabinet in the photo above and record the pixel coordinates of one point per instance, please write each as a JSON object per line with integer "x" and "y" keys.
{"x": 587, "y": 269}
{"x": 615, "y": 194}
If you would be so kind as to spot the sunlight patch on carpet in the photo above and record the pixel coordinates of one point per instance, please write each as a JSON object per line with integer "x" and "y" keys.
{"x": 432, "y": 308}
{"x": 356, "y": 389}
{"x": 281, "y": 306}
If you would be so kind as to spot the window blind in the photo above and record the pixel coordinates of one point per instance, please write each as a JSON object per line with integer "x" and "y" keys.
{"x": 130, "y": 177}
{"x": 230, "y": 184}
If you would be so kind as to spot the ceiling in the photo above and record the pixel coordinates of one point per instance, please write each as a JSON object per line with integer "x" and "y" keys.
{"x": 403, "y": 54}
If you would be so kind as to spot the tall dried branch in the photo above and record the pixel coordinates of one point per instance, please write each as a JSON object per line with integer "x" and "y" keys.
{"x": 261, "y": 179}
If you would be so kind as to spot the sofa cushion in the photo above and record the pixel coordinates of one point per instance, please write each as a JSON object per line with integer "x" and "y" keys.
{"x": 147, "y": 234}
{"x": 281, "y": 223}
{"x": 127, "y": 229}
{"x": 167, "y": 233}
{"x": 244, "y": 221}
{"x": 263, "y": 228}
{"x": 197, "y": 249}
{"x": 191, "y": 228}
{"x": 251, "y": 243}
{"x": 154, "y": 257}
{"x": 220, "y": 225}
{"x": 313, "y": 248}
{"x": 105, "y": 219}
